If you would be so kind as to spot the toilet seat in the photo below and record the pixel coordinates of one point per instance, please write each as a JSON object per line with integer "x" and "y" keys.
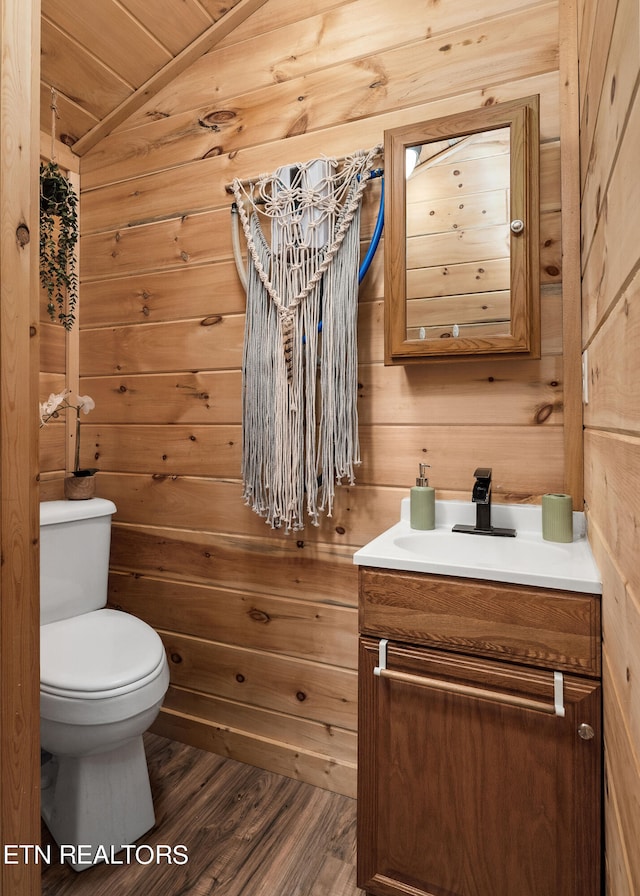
{"x": 100, "y": 667}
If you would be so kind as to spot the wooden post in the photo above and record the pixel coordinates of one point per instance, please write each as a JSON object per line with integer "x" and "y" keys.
{"x": 19, "y": 569}
{"x": 571, "y": 278}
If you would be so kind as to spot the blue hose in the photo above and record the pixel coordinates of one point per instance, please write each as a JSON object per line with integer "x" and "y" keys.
{"x": 375, "y": 239}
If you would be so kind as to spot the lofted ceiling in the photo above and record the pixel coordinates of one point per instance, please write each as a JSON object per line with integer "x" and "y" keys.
{"x": 102, "y": 59}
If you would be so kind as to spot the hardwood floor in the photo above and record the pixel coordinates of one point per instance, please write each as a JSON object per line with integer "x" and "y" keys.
{"x": 247, "y": 832}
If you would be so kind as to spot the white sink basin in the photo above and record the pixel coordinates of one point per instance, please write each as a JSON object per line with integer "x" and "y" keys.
{"x": 483, "y": 551}
{"x": 526, "y": 559}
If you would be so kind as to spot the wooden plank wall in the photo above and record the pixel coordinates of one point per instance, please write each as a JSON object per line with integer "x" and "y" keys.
{"x": 260, "y": 627}
{"x": 610, "y": 136}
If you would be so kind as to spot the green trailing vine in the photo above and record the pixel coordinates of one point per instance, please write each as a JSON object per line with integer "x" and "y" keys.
{"x": 58, "y": 241}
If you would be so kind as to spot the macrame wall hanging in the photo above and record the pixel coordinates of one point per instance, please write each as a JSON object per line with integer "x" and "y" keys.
{"x": 300, "y": 422}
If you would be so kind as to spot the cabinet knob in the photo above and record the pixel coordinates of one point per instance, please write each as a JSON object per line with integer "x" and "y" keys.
{"x": 586, "y": 732}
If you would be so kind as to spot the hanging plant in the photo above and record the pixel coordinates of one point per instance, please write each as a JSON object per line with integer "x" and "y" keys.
{"x": 58, "y": 241}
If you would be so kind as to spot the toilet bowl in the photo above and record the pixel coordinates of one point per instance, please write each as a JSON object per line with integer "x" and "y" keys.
{"x": 103, "y": 677}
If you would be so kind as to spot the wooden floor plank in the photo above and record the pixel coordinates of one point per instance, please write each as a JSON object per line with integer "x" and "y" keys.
{"x": 247, "y": 832}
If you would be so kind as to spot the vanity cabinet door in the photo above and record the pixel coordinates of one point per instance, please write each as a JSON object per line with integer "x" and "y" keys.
{"x": 470, "y": 784}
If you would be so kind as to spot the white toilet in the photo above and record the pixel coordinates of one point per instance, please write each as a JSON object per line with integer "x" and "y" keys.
{"x": 103, "y": 677}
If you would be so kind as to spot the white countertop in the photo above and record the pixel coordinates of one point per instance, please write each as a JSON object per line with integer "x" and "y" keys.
{"x": 526, "y": 559}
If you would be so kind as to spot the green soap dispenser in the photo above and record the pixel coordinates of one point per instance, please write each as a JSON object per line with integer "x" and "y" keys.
{"x": 423, "y": 502}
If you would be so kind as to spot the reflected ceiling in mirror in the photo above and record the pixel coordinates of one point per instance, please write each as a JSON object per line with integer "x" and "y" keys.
{"x": 461, "y": 245}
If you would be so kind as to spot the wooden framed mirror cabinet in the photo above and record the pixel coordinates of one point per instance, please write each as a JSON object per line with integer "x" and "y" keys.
{"x": 462, "y": 235}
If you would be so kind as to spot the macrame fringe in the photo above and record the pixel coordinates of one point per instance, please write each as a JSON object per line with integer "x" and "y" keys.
{"x": 300, "y": 421}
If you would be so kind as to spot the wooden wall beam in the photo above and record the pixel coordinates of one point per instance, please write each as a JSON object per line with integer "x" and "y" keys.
{"x": 571, "y": 277}
{"x": 19, "y": 573}
{"x": 167, "y": 73}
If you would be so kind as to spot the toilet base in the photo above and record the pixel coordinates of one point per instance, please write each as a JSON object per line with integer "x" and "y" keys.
{"x": 101, "y": 800}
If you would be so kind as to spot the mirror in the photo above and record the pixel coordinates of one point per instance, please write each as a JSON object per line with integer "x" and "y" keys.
{"x": 462, "y": 235}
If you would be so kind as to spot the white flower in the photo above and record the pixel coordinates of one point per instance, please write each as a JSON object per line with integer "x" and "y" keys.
{"x": 49, "y": 407}
{"x": 86, "y": 403}
{"x": 60, "y": 401}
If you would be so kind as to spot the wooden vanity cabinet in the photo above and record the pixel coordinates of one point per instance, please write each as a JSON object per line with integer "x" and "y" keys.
{"x": 479, "y": 766}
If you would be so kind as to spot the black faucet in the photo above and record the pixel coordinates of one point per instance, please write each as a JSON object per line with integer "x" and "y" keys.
{"x": 481, "y": 497}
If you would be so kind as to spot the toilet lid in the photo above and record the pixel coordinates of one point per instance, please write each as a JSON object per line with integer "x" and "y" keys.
{"x": 105, "y": 650}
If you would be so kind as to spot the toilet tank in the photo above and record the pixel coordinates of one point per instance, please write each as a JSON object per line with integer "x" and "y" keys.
{"x": 75, "y": 538}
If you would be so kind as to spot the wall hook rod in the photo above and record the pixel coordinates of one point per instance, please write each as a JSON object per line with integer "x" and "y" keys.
{"x": 377, "y": 172}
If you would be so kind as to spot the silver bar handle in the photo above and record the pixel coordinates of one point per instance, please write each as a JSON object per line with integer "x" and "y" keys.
{"x": 555, "y": 708}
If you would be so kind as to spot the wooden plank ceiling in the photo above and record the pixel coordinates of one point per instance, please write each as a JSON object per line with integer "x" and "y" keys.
{"x": 101, "y": 59}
